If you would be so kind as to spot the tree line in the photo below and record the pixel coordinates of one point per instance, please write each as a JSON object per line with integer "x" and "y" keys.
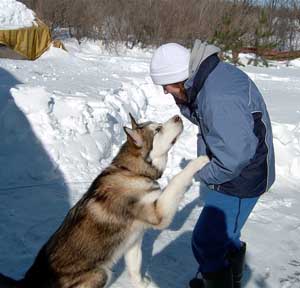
{"x": 230, "y": 24}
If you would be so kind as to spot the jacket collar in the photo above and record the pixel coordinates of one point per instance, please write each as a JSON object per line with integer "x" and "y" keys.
{"x": 194, "y": 84}
{"x": 201, "y": 51}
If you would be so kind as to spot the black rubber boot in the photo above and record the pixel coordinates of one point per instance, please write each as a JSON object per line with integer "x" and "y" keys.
{"x": 196, "y": 283}
{"x": 237, "y": 262}
{"x": 220, "y": 279}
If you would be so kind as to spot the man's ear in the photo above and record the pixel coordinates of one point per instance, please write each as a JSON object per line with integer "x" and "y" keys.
{"x": 134, "y": 124}
{"x": 134, "y": 136}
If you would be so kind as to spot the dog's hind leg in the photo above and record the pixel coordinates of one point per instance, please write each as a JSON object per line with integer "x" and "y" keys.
{"x": 168, "y": 201}
{"x": 133, "y": 260}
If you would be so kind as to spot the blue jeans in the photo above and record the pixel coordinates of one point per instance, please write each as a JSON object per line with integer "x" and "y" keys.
{"x": 218, "y": 228}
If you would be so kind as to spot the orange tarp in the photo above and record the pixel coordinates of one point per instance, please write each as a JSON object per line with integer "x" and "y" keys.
{"x": 30, "y": 42}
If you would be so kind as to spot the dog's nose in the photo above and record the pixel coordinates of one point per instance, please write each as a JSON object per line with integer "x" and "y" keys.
{"x": 177, "y": 118}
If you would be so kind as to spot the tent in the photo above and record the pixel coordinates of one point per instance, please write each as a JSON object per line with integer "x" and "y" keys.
{"x": 29, "y": 42}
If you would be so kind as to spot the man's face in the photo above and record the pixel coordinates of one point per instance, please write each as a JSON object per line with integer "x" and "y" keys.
{"x": 177, "y": 91}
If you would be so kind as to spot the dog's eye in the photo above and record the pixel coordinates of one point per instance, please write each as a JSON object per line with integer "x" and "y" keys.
{"x": 158, "y": 129}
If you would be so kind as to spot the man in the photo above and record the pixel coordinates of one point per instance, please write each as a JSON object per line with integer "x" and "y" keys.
{"x": 235, "y": 132}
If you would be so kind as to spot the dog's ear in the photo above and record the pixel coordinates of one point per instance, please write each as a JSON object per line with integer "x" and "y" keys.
{"x": 134, "y": 125}
{"x": 134, "y": 136}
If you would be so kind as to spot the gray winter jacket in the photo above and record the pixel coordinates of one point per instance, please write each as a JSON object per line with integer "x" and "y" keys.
{"x": 234, "y": 125}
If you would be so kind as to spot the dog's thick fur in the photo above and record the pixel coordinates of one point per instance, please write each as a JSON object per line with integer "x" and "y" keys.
{"x": 111, "y": 217}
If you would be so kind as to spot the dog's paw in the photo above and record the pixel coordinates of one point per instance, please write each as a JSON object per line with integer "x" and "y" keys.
{"x": 149, "y": 283}
{"x": 142, "y": 282}
{"x": 198, "y": 163}
{"x": 146, "y": 281}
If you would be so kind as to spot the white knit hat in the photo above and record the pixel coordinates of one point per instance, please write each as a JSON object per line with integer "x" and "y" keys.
{"x": 170, "y": 64}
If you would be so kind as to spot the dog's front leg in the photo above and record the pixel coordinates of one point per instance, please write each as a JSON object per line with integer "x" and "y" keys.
{"x": 133, "y": 260}
{"x": 167, "y": 203}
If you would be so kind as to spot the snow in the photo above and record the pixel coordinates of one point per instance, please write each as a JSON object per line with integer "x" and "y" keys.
{"x": 61, "y": 120}
{"x": 295, "y": 63}
{"x": 15, "y": 15}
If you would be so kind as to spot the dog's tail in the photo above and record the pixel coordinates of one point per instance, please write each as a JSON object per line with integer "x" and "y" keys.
{"x": 6, "y": 282}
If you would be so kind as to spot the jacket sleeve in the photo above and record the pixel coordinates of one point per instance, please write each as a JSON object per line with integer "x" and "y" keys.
{"x": 230, "y": 139}
{"x": 201, "y": 146}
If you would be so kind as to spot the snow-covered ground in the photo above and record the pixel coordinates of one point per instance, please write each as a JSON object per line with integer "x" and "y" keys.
{"x": 14, "y": 15}
{"x": 61, "y": 120}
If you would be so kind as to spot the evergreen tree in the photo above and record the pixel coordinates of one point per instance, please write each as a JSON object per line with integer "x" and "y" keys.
{"x": 263, "y": 38}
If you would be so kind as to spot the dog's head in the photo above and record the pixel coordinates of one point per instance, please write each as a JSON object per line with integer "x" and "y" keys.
{"x": 154, "y": 140}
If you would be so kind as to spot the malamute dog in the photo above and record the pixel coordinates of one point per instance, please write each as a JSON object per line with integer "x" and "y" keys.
{"x": 110, "y": 219}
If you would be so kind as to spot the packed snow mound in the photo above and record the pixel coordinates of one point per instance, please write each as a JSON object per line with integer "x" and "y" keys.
{"x": 295, "y": 63}
{"x": 77, "y": 131}
{"x": 286, "y": 143}
{"x": 15, "y": 15}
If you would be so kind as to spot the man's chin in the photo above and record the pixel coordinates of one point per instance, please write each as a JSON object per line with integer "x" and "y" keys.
{"x": 180, "y": 101}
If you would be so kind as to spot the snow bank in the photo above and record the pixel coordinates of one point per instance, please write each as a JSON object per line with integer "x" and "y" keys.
{"x": 14, "y": 15}
{"x": 295, "y": 63}
{"x": 287, "y": 149}
{"x": 79, "y": 133}
{"x": 98, "y": 47}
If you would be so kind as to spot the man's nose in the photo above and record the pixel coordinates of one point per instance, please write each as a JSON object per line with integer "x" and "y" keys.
{"x": 164, "y": 87}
